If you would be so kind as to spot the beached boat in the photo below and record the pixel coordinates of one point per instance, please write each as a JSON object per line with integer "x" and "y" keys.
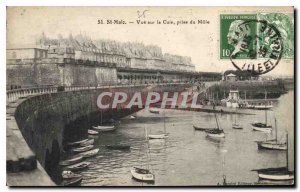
{"x": 82, "y": 149}
{"x": 154, "y": 110}
{"x": 92, "y": 132}
{"x": 88, "y": 142}
{"x": 78, "y": 166}
{"x": 143, "y": 174}
{"x": 118, "y": 147}
{"x": 72, "y": 182}
{"x": 90, "y": 153}
{"x": 70, "y": 175}
{"x": 132, "y": 117}
{"x": 71, "y": 161}
{"x": 279, "y": 173}
{"x": 272, "y": 144}
{"x": 76, "y": 142}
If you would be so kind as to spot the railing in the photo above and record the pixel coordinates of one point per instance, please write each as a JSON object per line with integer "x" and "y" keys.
{"x": 15, "y": 94}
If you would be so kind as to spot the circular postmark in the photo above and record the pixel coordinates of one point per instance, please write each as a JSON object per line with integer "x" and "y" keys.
{"x": 259, "y": 53}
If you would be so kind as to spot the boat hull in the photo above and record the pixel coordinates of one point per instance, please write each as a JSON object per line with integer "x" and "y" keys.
{"x": 90, "y": 153}
{"x": 216, "y": 135}
{"x": 281, "y": 177}
{"x": 83, "y": 149}
{"x": 235, "y": 126}
{"x": 88, "y": 142}
{"x": 271, "y": 146}
{"x": 142, "y": 177}
{"x": 105, "y": 128}
{"x": 261, "y": 129}
{"x": 72, "y": 182}
{"x": 158, "y": 136}
{"x": 71, "y": 161}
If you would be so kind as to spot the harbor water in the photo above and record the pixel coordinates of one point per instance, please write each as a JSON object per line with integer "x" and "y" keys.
{"x": 188, "y": 157}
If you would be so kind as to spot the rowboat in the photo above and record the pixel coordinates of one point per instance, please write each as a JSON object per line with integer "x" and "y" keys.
{"x": 89, "y": 153}
{"x": 88, "y": 142}
{"x": 78, "y": 166}
{"x": 132, "y": 117}
{"x": 77, "y": 142}
{"x": 70, "y": 175}
{"x": 74, "y": 160}
{"x": 105, "y": 128}
{"x": 82, "y": 149}
{"x": 92, "y": 132}
{"x": 142, "y": 174}
{"x": 118, "y": 147}
{"x": 72, "y": 182}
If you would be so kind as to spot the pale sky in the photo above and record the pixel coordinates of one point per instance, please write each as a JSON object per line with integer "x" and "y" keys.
{"x": 198, "y": 41}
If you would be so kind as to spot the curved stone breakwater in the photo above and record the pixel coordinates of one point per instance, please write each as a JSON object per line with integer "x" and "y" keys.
{"x": 39, "y": 125}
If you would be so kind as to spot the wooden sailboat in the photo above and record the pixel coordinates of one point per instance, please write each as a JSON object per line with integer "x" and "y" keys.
{"x": 264, "y": 127}
{"x": 102, "y": 128}
{"x": 141, "y": 174}
{"x": 160, "y": 136}
{"x": 279, "y": 173}
{"x": 272, "y": 144}
{"x": 235, "y": 125}
{"x": 217, "y": 132}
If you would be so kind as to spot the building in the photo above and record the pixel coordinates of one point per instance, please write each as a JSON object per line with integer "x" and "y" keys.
{"x": 26, "y": 53}
{"x": 231, "y": 77}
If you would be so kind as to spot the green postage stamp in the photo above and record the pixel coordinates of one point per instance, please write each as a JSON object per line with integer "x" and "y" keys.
{"x": 249, "y": 29}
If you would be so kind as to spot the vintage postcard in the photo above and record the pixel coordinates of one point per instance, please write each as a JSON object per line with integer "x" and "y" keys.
{"x": 150, "y": 96}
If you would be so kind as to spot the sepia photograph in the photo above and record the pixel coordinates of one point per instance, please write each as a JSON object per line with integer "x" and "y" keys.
{"x": 150, "y": 96}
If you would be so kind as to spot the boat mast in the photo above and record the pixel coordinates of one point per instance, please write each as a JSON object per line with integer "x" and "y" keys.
{"x": 217, "y": 121}
{"x": 101, "y": 117}
{"x": 266, "y": 116}
{"x": 287, "y": 151}
{"x": 165, "y": 121}
{"x": 276, "y": 131}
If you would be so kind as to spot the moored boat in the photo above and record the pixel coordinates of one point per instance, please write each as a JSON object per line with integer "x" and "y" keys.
{"x": 278, "y": 173}
{"x": 216, "y": 132}
{"x": 142, "y": 174}
{"x": 236, "y": 126}
{"x": 200, "y": 128}
{"x": 157, "y": 136}
{"x": 72, "y": 182}
{"x": 118, "y": 147}
{"x": 88, "y": 142}
{"x": 89, "y": 153}
{"x": 78, "y": 166}
{"x": 71, "y": 161}
{"x": 92, "y": 132}
{"x": 70, "y": 175}
{"x": 76, "y": 142}
{"x": 104, "y": 128}
{"x": 82, "y": 149}
{"x": 272, "y": 144}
